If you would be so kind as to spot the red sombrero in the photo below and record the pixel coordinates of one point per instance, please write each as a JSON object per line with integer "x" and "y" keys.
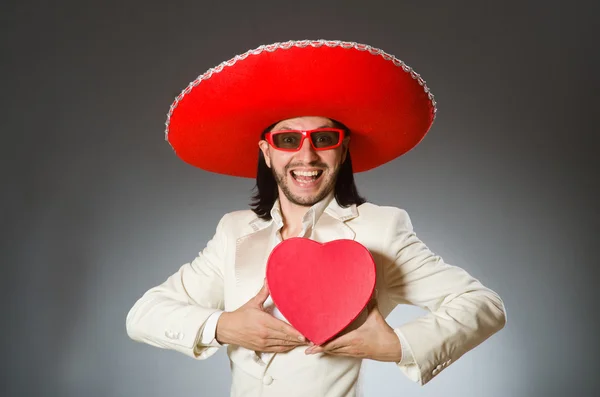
{"x": 216, "y": 121}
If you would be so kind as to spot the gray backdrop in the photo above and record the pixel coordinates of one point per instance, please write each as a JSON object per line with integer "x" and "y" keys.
{"x": 96, "y": 208}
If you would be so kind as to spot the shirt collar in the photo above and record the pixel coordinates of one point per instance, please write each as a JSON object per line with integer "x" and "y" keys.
{"x": 309, "y": 219}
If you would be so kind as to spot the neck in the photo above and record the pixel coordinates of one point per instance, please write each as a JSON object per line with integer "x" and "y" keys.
{"x": 292, "y": 214}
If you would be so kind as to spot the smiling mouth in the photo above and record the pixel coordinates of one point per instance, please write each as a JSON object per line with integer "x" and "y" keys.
{"x": 306, "y": 176}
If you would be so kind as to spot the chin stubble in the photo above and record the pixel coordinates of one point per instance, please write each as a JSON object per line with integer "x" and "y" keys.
{"x": 280, "y": 179}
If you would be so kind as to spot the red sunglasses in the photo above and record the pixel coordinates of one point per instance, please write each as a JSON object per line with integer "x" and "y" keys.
{"x": 292, "y": 140}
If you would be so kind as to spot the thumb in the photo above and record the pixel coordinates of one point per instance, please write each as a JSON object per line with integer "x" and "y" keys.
{"x": 372, "y": 304}
{"x": 262, "y": 295}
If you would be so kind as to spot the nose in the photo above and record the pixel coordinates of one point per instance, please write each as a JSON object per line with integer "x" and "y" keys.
{"x": 306, "y": 153}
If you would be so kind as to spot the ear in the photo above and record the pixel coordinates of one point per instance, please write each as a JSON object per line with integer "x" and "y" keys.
{"x": 264, "y": 146}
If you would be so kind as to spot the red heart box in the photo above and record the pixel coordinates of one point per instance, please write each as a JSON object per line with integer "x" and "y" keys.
{"x": 320, "y": 288}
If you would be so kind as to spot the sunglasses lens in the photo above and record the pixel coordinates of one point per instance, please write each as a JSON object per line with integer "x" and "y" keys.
{"x": 325, "y": 139}
{"x": 291, "y": 140}
{"x": 287, "y": 140}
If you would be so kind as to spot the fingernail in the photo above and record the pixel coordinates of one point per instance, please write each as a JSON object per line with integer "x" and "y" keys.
{"x": 301, "y": 338}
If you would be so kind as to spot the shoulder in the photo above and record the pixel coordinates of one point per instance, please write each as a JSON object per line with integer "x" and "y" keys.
{"x": 380, "y": 211}
{"x": 381, "y": 214}
{"x": 238, "y": 218}
{"x": 240, "y": 222}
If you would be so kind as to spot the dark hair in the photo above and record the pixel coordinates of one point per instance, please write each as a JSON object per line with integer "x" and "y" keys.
{"x": 345, "y": 190}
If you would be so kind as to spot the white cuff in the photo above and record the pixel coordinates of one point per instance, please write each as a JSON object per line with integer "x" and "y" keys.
{"x": 209, "y": 332}
{"x": 407, "y": 362}
{"x": 407, "y": 356}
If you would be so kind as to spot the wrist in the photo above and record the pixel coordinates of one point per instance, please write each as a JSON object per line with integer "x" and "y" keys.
{"x": 392, "y": 349}
{"x": 221, "y": 330}
{"x": 397, "y": 347}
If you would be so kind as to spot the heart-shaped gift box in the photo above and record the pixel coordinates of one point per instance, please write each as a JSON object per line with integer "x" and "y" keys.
{"x": 320, "y": 288}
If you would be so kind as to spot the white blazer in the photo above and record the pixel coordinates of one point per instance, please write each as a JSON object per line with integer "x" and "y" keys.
{"x": 231, "y": 269}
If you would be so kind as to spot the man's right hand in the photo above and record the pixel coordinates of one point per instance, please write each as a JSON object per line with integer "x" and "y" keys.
{"x": 253, "y": 328}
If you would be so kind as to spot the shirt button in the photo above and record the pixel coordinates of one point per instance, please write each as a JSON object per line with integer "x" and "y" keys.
{"x": 267, "y": 380}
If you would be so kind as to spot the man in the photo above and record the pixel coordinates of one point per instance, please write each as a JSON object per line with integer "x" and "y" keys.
{"x": 324, "y": 107}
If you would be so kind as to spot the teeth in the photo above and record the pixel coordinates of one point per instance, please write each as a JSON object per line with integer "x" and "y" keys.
{"x": 306, "y": 173}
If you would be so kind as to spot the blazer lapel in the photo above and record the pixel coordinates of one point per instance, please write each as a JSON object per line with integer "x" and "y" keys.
{"x": 332, "y": 223}
{"x": 251, "y": 254}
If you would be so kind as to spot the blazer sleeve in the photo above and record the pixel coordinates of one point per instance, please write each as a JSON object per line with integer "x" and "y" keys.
{"x": 172, "y": 315}
{"x": 462, "y": 312}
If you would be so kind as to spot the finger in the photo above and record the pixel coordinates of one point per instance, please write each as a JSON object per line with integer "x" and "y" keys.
{"x": 342, "y": 347}
{"x": 347, "y": 351}
{"x": 278, "y": 349}
{"x": 342, "y": 341}
{"x": 284, "y": 339}
{"x": 262, "y": 295}
{"x": 372, "y": 303}
{"x": 272, "y": 342}
{"x": 320, "y": 349}
{"x": 283, "y": 330}
{"x": 338, "y": 343}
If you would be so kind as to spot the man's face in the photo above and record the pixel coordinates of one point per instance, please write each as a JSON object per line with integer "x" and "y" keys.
{"x": 307, "y": 176}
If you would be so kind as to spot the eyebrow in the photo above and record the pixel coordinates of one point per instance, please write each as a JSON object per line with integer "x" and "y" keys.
{"x": 284, "y": 127}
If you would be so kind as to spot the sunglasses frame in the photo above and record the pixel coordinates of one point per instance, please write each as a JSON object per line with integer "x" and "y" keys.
{"x": 305, "y": 134}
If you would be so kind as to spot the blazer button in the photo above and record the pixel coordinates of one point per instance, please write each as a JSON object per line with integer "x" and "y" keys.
{"x": 267, "y": 379}
{"x": 434, "y": 372}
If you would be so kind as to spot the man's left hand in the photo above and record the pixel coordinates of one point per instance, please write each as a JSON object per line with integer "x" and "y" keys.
{"x": 374, "y": 340}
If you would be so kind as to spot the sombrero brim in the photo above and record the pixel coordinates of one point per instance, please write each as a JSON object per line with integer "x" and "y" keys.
{"x": 216, "y": 122}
